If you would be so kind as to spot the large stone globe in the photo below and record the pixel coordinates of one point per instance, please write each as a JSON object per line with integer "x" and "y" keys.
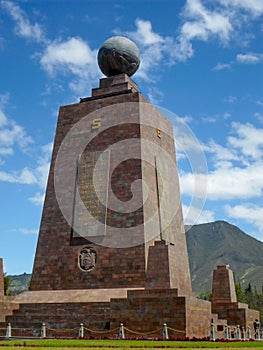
{"x": 118, "y": 55}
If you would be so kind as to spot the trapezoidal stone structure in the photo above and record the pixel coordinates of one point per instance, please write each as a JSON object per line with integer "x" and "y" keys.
{"x": 112, "y": 245}
{"x": 224, "y": 300}
{"x": 109, "y": 199}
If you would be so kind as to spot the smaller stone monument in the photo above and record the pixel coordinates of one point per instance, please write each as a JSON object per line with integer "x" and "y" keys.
{"x": 224, "y": 300}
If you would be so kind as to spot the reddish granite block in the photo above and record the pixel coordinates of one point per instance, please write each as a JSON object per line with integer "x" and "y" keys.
{"x": 224, "y": 300}
{"x": 56, "y": 264}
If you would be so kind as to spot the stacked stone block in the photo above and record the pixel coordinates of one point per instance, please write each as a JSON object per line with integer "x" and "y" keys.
{"x": 56, "y": 261}
{"x": 224, "y": 300}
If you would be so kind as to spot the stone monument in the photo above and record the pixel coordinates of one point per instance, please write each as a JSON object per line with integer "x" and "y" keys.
{"x": 111, "y": 246}
{"x": 88, "y": 239}
{"x": 224, "y": 300}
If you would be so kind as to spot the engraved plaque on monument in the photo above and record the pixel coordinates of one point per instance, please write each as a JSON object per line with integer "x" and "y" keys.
{"x": 167, "y": 205}
{"x": 91, "y": 195}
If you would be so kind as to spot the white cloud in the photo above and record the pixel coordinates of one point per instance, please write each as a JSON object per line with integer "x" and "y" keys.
{"x": 237, "y": 170}
{"x": 209, "y": 119}
{"x": 225, "y": 183}
{"x": 259, "y": 116}
{"x": 248, "y": 139}
{"x": 6, "y": 151}
{"x": 72, "y": 57}
{"x": 249, "y": 58}
{"x": 42, "y": 169}
{"x": 235, "y": 183}
{"x": 153, "y": 47}
{"x": 3, "y": 118}
{"x": 4, "y": 98}
{"x": 41, "y": 173}
{"x": 248, "y": 212}
{"x": 25, "y": 176}
{"x": 220, "y": 152}
{"x": 145, "y": 35}
{"x": 11, "y": 135}
{"x": 155, "y": 95}
{"x": 23, "y": 27}
{"x": 37, "y": 199}
{"x": 72, "y": 54}
{"x": 187, "y": 119}
{"x": 34, "y": 176}
{"x": 194, "y": 216}
{"x": 230, "y": 99}
{"x": 222, "y": 66}
{"x": 202, "y": 23}
{"x": 27, "y": 231}
{"x": 254, "y": 7}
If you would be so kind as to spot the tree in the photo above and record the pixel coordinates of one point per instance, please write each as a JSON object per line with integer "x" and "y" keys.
{"x": 7, "y": 281}
{"x": 250, "y": 297}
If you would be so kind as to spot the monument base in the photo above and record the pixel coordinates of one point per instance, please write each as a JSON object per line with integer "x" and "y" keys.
{"x": 142, "y": 311}
{"x": 146, "y": 310}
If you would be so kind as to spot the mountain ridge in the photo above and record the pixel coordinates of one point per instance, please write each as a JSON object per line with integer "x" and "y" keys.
{"x": 221, "y": 243}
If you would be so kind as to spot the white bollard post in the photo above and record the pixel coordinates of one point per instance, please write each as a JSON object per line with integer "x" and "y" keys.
{"x": 248, "y": 332}
{"x": 43, "y": 331}
{"x": 8, "y": 331}
{"x": 226, "y": 332}
{"x": 243, "y": 333}
{"x": 238, "y": 335}
{"x": 229, "y": 332}
{"x": 257, "y": 334}
{"x": 121, "y": 332}
{"x": 81, "y": 330}
{"x": 212, "y": 332}
{"x": 165, "y": 331}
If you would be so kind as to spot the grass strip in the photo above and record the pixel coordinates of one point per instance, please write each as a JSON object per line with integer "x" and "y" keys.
{"x": 53, "y": 344}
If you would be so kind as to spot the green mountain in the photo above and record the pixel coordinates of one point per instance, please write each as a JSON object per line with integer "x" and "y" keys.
{"x": 19, "y": 283}
{"x": 209, "y": 245}
{"x": 220, "y": 243}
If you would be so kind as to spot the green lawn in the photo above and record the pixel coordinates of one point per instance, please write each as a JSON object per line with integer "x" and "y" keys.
{"x": 124, "y": 344}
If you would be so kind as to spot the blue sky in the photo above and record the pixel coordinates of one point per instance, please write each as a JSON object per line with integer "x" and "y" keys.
{"x": 201, "y": 60}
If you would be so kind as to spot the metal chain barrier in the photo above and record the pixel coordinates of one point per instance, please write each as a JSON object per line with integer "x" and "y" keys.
{"x": 230, "y": 333}
{"x": 143, "y": 333}
{"x": 102, "y": 332}
{"x": 62, "y": 330}
{"x": 175, "y": 330}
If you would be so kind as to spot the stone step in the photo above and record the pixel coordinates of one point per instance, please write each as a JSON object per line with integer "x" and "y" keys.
{"x": 66, "y": 309}
{"x": 56, "y": 319}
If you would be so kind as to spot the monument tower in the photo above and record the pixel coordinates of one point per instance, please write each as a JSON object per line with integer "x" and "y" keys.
{"x": 112, "y": 211}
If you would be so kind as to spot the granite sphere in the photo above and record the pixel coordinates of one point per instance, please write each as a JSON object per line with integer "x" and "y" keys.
{"x": 118, "y": 55}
